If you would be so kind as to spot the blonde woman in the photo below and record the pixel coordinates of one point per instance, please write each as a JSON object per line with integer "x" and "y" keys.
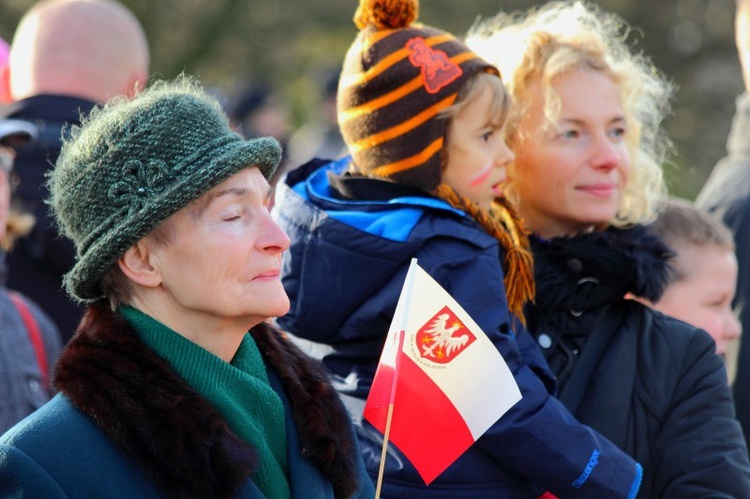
{"x": 585, "y": 178}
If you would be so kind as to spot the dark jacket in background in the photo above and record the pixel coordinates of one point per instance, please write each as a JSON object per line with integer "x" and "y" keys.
{"x": 352, "y": 244}
{"x": 22, "y": 384}
{"x": 40, "y": 259}
{"x": 657, "y": 389}
{"x": 126, "y": 425}
{"x": 727, "y": 195}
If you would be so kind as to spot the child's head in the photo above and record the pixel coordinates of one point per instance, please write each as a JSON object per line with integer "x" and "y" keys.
{"x": 397, "y": 80}
{"x": 475, "y": 153}
{"x": 703, "y": 273}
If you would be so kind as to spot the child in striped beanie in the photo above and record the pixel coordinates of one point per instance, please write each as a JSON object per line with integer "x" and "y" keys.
{"x": 399, "y": 88}
{"x": 423, "y": 119}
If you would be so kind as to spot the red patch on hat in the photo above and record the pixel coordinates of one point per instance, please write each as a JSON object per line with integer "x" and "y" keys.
{"x": 437, "y": 68}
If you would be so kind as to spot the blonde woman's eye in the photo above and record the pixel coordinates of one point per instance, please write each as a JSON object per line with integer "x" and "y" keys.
{"x": 618, "y": 132}
{"x": 569, "y": 134}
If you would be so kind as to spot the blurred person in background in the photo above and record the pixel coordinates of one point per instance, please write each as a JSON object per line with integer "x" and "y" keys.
{"x": 29, "y": 341}
{"x": 65, "y": 57}
{"x": 320, "y": 137}
{"x": 258, "y": 112}
{"x": 726, "y": 195}
{"x": 702, "y": 274}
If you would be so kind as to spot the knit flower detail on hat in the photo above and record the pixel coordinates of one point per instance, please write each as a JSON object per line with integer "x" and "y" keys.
{"x": 139, "y": 182}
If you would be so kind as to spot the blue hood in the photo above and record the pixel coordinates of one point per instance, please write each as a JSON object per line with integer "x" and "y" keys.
{"x": 349, "y": 258}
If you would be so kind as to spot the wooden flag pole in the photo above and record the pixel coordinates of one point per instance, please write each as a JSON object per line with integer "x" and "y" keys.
{"x": 396, "y": 369}
{"x": 383, "y": 452}
{"x": 389, "y": 417}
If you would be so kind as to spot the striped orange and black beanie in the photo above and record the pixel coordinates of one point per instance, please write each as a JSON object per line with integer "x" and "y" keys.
{"x": 397, "y": 77}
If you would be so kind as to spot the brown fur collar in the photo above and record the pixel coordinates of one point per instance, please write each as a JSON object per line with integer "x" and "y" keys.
{"x": 149, "y": 411}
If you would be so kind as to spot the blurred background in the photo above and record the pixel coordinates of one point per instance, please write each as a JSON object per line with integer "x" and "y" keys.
{"x": 273, "y": 61}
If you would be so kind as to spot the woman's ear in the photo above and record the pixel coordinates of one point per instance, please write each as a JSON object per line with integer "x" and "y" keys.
{"x": 137, "y": 264}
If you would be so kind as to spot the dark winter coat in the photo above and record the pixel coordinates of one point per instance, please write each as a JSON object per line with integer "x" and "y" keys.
{"x": 40, "y": 259}
{"x": 23, "y": 387}
{"x": 727, "y": 195}
{"x": 126, "y": 425}
{"x": 656, "y": 388}
{"x": 352, "y": 243}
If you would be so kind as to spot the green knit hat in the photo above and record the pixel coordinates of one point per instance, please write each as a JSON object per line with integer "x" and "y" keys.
{"x": 134, "y": 162}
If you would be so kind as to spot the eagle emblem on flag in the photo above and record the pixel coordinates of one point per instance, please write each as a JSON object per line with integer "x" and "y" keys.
{"x": 443, "y": 337}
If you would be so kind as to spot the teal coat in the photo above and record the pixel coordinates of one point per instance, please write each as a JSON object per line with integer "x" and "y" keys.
{"x": 125, "y": 425}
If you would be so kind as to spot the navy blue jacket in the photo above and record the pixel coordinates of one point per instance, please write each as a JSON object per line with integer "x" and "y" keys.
{"x": 344, "y": 272}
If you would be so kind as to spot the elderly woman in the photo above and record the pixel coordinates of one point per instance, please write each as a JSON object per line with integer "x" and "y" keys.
{"x": 174, "y": 385}
{"x": 585, "y": 179}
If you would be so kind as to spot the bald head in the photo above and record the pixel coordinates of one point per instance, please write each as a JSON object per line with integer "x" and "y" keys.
{"x": 94, "y": 49}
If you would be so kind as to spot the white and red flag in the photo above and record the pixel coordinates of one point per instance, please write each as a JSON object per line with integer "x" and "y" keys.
{"x": 440, "y": 383}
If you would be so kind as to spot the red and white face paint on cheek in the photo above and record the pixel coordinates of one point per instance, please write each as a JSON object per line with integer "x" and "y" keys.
{"x": 481, "y": 176}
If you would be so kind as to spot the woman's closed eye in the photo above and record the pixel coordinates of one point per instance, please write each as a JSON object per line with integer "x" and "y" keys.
{"x": 232, "y": 215}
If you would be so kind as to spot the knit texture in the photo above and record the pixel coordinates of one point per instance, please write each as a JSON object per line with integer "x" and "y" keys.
{"x": 240, "y": 391}
{"x": 133, "y": 163}
{"x": 396, "y": 79}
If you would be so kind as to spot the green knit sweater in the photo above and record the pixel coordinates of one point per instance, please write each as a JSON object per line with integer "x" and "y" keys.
{"x": 239, "y": 390}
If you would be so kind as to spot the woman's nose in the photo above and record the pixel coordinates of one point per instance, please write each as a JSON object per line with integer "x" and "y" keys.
{"x": 605, "y": 155}
{"x": 274, "y": 239}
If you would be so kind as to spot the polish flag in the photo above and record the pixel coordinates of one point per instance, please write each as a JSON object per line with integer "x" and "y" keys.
{"x": 440, "y": 383}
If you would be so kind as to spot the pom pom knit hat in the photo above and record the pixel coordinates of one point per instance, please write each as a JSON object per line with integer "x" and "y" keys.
{"x": 396, "y": 79}
{"x": 133, "y": 163}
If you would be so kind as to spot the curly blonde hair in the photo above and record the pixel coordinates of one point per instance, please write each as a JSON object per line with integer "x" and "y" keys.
{"x": 540, "y": 44}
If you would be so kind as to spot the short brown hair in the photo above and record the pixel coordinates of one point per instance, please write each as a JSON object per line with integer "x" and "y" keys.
{"x": 681, "y": 224}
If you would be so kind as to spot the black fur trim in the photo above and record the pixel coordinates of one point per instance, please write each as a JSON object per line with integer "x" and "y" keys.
{"x": 625, "y": 260}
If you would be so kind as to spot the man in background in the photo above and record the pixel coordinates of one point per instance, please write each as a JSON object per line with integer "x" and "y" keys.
{"x": 726, "y": 194}
{"x": 66, "y": 56}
